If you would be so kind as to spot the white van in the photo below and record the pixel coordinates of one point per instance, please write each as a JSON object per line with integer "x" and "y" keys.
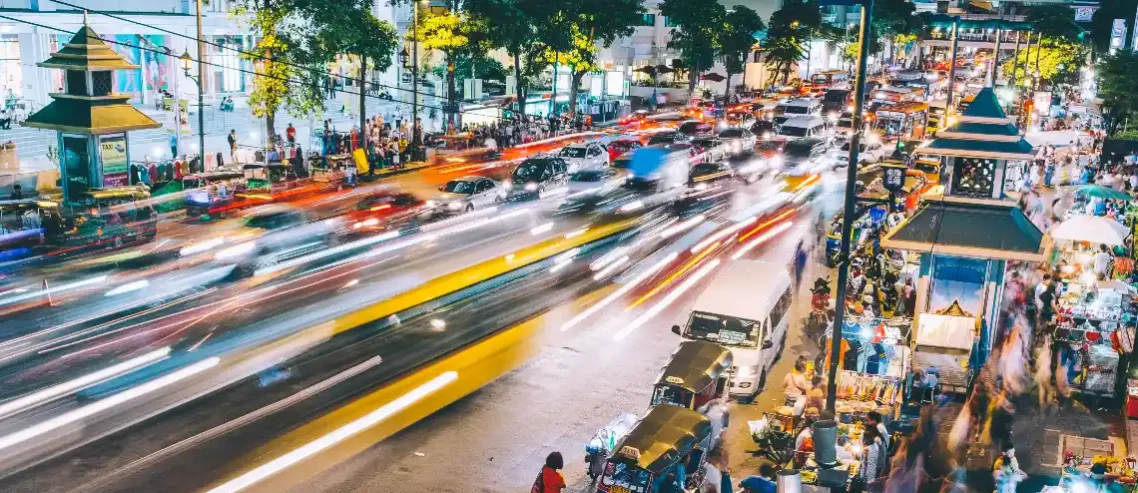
{"x": 746, "y": 308}
{"x": 797, "y": 107}
{"x": 803, "y": 127}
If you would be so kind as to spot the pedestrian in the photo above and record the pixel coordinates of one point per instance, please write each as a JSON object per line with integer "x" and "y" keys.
{"x": 233, "y": 144}
{"x": 762, "y": 483}
{"x": 1102, "y": 262}
{"x": 800, "y": 257}
{"x": 290, "y": 134}
{"x": 1006, "y": 471}
{"x": 174, "y": 145}
{"x": 794, "y": 384}
{"x": 550, "y": 480}
{"x": 870, "y": 457}
{"x": 17, "y": 193}
{"x": 874, "y": 419}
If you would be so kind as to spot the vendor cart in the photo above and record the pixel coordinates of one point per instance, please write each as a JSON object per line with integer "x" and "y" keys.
{"x": 598, "y": 449}
{"x": 775, "y": 433}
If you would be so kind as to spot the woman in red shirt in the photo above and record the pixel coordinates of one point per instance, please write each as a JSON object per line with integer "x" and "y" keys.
{"x": 549, "y": 480}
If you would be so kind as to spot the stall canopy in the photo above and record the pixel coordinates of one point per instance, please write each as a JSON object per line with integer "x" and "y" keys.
{"x": 1093, "y": 229}
{"x": 969, "y": 228}
{"x": 1102, "y": 192}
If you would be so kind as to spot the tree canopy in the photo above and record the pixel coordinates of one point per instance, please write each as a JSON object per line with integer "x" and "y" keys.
{"x": 1116, "y": 87}
{"x": 737, "y": 39}
{"x": 696, "y": 35}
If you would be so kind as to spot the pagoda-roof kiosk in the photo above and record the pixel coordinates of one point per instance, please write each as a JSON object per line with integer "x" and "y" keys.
{"x": 91, "y": 120}
{"x": 967, "y": 235}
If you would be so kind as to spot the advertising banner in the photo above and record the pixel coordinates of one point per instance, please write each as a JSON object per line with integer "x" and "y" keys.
{"x": 116, "y": 168}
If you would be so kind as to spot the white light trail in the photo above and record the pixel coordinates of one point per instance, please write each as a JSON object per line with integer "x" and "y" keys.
{"x": 667, "y": 301}
{"x": 723, "y": 233}
{"x": 49, "y": 393}
{"x": 128, "y": 287}
{"x": 610, "y": 268}
{"x": 57, "y": 289}
{"x": 340, "y": 434}
{"x": 679, "y": 228}
{"x": 544, "y": 228}
{"x": 105, "y": 404}
{"x": 644, "y": 276}
{"x": 761, "y": 239}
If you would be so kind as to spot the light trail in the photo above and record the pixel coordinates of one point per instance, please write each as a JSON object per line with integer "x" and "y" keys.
{"x": 761, "y": 239}
{"x": 676, "y": 275}
{"x": 35, "y": 398}
{"x": 636, "y": 281}
{"x": 50, "y": 290}
{"x": 339, "y": 435}
{"x": 773, "y": 220}
{"x": 667, "y": 301}
{"x": 105, "y": 404}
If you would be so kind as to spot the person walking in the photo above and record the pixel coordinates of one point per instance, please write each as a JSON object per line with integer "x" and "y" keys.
{"x": 232, "y": 144}
{"x": 550, "y": 480}
{"x": 290, "y": 134}
{"x": 1006, "y": 471}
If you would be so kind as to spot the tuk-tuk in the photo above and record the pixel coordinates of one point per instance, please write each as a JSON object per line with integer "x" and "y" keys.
{"x": 107, "y": 217}
{"x": 208, "y": 191}
{"x": 22, "y": 224}
{"x": 268, "y": 178}
{"x": 337, "y": 170}
{"x": 669, "y": 444}
{"x": 696, "y": 374}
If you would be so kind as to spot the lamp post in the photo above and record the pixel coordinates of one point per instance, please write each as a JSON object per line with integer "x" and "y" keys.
{"x": 655, "y": 74}
{"x": 415, "y": 137}
{"x": 201, "y": 86}
{"x": 187, "y": 61}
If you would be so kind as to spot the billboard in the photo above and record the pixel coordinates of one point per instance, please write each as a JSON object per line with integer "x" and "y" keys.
{"x": 116, "y": 168}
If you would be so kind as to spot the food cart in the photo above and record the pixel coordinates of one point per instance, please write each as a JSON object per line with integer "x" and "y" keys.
{"x": 668, "y": 441}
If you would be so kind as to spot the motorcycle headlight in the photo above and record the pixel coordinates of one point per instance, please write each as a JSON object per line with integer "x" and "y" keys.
{"x": 531, "y": 187}
{"x": 454, "y": 206}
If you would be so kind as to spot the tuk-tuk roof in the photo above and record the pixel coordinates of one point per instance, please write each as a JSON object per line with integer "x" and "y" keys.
{"x": 662, "y": 437}
{"x": 695, "y": 365}
{"x": 28, "y": 202}
{"x": 118, "y": 192}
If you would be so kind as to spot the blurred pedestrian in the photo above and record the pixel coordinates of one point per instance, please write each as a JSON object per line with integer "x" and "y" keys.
{"x": 762, "y": 483}
{"x": 1006, "y": 471}
{"x": 550, "y": 480}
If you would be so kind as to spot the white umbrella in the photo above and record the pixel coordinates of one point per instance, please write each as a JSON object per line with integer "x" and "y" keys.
{"x": 1093, "y": 229}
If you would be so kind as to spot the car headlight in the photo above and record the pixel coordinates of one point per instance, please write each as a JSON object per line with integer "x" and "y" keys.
{"x": 776, "y": 161}
{"x": 701, "y": 186}
{"x": 431, "y": 203}
{"x": 508, "y": 185}
{"x": 531, "y": 187}
{"x": 746, "y": 371}
{"x": 371, "y": 222}
{"x": 454, "y": 206}
{"x": 766, "y": 136}
{"x": 357, "y": 225}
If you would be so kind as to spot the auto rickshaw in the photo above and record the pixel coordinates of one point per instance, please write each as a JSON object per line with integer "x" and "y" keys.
{"x": 268, "y": 179}
{"x": 208, "y": 191}
{"x": 697, "y": 377}
{"x": 107, "y": 217}
{"x": 336, "y": 172}
{"x": 669, "y": 444}
{"x": 22, "y": 225}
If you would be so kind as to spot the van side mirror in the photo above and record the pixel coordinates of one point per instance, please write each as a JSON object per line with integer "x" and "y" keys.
{"x": 441, "y": 187}
{"x": 676, "y": 329}
{"x": 767, "y": 344}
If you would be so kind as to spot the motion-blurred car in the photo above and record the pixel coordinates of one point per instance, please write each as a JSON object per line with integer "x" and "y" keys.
{"x": 868, "y": 153}
{"x": 739, "y": 141}
{"x": 385, "y": 211}
{"x": 274, "y": 234}
{"x": 668, "y": 138}
{"x": 709, "y": 149}
{"x": 620, "y": 147}
{"x": 535, "y": 177}
{"x": 637, "y": 117}
{"x": 464, "y": 195}
{"x": 706, "y": 175}
{"x": 591, "y": 155}
{"x": 694, "y": 127}
{"x": 803, "y": 155}
{"x": 592, "y": 181}
{"x": 763, "y": 129}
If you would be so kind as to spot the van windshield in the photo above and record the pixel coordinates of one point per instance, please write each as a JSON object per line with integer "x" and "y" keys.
{"x": 797, "y": 110}
{"x": 729, "y": 331}
{"x": 793, "y": 131}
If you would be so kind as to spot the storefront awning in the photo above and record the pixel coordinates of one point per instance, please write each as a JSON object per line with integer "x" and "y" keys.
{"x": 969, "y": 228}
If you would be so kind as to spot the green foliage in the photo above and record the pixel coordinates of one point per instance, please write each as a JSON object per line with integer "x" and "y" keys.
{"x": 1055, "y": 21}
{"x": 698, "y": 23}
{"x": 1116, "y": 87}
{"x": 791, "y": 28}
{"x": 1059, "y": 62}
{"x": 737, "y": 38}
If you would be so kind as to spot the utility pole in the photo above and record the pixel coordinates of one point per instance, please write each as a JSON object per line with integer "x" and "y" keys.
{"x": 201, "y": 89}
{"x": 415, "y": 140}
{"x": 850, "y": 206}
{"x": 363, "y": 103}
{"x": 1015, "y": 59}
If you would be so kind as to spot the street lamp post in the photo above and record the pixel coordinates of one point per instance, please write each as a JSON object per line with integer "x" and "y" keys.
{"x": 850, "y": 206}
{"x": 415, "y": 137}
{"x": 187, "y": 61}
{"x": 201, "y": 87}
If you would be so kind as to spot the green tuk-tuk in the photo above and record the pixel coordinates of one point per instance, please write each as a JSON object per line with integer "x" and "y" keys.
{"x": 107, "y": 217}
{"x": 268, "y": 178}
{"x": 668, "y": 445}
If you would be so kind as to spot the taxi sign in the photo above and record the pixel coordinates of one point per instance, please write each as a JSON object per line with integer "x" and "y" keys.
{"x": 674, "y": 380}
{"x": 630, "y": 452}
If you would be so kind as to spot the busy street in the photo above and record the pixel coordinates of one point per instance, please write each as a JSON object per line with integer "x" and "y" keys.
{"x": 638, "y": 246}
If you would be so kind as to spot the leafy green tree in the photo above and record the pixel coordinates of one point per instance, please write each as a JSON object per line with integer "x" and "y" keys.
{"x": 697, "y": 27}
{"x": 1059, "y": 62}
{"x": 453, "y": 33}
{"x": 1055, "y": 21}
{"x": 792, "y": 27}
{"x": 595, "y": 22}
{"x": 737, "y": 39}
{"x": 1116, "y": 88}
{"x": 297, "y": 40}
{"x": 515, "y": 28}
{"x": 892, "y": 21}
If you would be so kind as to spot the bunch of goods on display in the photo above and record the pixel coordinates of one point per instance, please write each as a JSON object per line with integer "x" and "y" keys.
{"x": 1096, "y": 324}
{"x": 1095, "y": 473}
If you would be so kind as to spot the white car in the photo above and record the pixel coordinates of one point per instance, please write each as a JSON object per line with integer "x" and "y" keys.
{"x": 868, "y": 153}
{"x": 592, "y": 181}
{"x": 464, "y": 195}
{"x": 589, "y": 155}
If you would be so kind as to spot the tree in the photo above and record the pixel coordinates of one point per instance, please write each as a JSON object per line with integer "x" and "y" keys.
{"x": 1055, "y": 21}
{"x": 893, "y": 18}
{"x": 697, "y": 23}
{"x": 593, "y": 22}
{"x": 452, "y": 33}
{"x": 791, "y": 29}
{"x": 1116, "y": 87}
{"x": 1059, "y": 61}
{"x": 580, "y": 58}
{"x": 515, "y": 29}
{"x": 737, "y": 39}
{"x": 297, "y": 40}
{"x": 1103, "y": 21}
